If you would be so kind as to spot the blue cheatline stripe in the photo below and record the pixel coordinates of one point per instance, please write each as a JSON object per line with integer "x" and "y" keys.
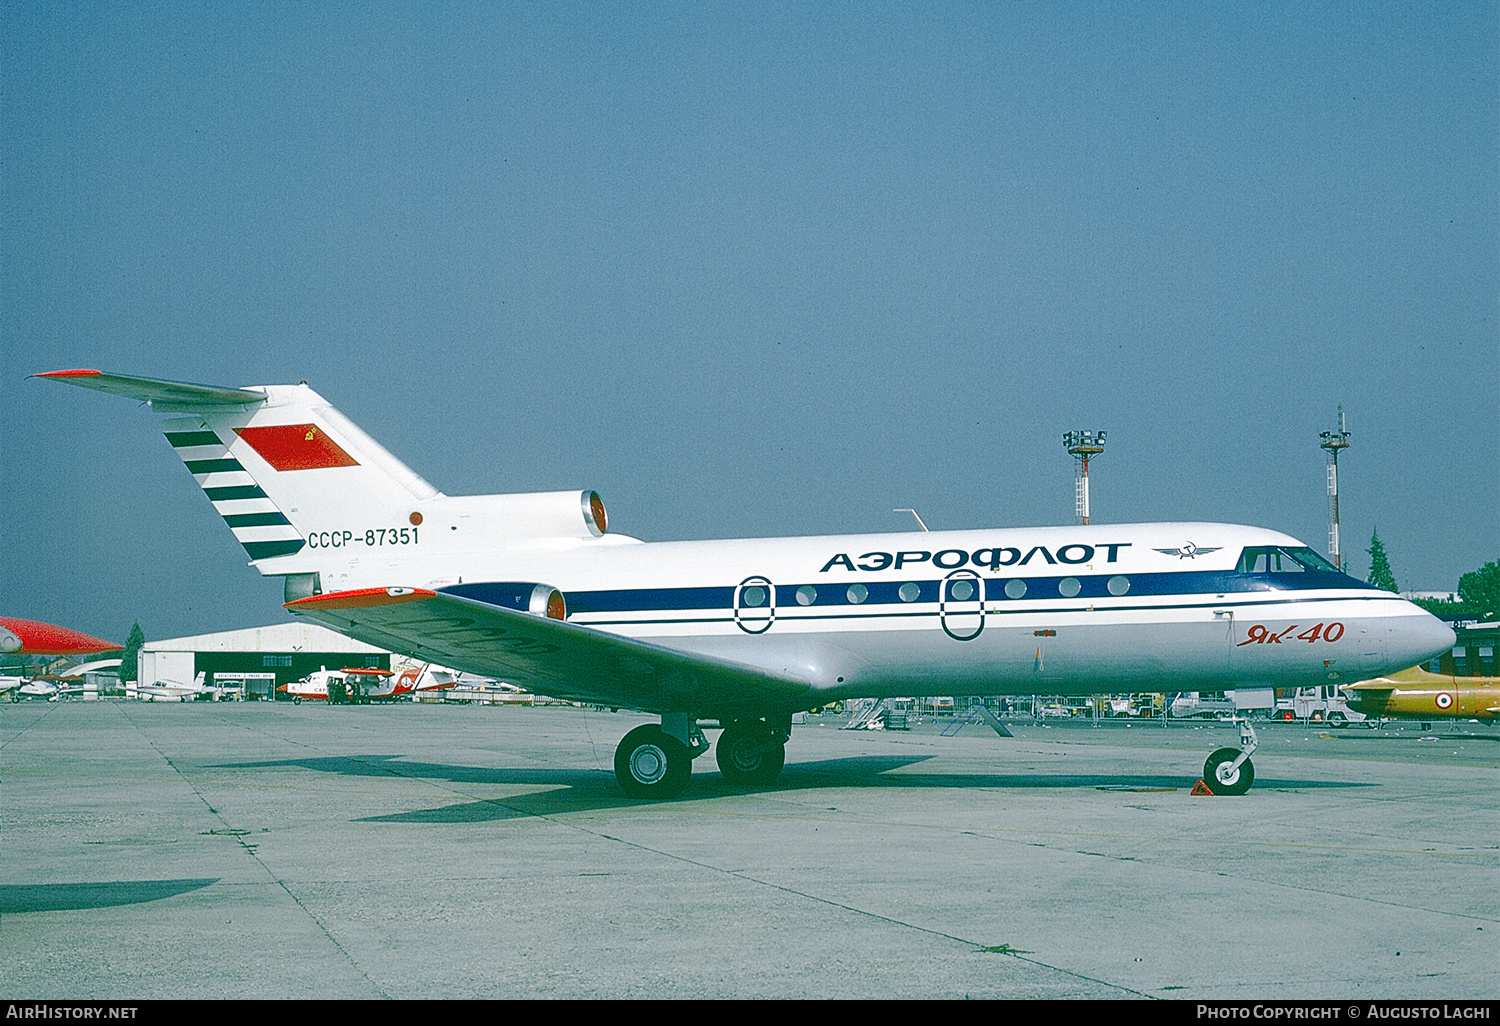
{"x": 212, "y": 466}
{"x": 267, "y": 549}
{"x": 255, "y": 519}
{"x": 828, "y": 593}
{"x": 643, "y": 599}
{"x": 235, "y": 492}
{"x": 184, "y": 439}
{"x": 800, "y": 613}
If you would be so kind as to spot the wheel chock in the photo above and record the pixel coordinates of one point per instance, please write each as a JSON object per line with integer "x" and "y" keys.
{"x": 1201, "y": 788}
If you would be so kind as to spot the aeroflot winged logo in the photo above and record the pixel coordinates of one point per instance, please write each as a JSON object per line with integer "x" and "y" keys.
{"x": 296, "y": 447}
{"x": 1189, "y": 551}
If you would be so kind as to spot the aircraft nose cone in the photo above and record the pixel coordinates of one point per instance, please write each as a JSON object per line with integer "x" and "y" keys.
{"x": 1422, "y": 638}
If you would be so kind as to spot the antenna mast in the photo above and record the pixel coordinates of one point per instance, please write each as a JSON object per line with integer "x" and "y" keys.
{"x": 1334, "y": 442}
{"x": 1083, "y": 445}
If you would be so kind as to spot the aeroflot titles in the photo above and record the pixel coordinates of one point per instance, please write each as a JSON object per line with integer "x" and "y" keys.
{"x": 992, "y": 558}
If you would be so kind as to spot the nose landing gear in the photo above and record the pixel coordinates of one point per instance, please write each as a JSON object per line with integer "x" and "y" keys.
{"x": 1229, "y": 770}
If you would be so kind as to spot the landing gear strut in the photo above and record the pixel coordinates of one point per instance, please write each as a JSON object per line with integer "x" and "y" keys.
{"x": 1229, "y": 770}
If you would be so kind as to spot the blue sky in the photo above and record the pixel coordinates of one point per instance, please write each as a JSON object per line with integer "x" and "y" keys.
{"x": 755, "y": 271}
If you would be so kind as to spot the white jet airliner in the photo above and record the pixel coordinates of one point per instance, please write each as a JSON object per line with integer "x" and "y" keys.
{"x": 530, "y": 588}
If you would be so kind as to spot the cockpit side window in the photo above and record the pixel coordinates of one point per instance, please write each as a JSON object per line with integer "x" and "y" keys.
{"x": 1271, "y": 560}
{"x": 1254, "y": 561}
{"x": 1311, "y": 560}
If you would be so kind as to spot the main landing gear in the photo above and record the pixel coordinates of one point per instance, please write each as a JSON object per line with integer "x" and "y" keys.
{"x": 1229, "y": 770}
{"x": 656, "y": 761}
{"x": 752, "y": 751}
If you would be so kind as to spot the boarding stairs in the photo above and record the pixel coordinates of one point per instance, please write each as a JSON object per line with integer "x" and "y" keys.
{"x": 866, "y": 711}
{"x": 976, "y": 712}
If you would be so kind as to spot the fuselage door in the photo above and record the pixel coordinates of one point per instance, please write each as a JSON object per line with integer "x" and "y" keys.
{"x": 754, "y": 605}
{"x": 961, "y": 605}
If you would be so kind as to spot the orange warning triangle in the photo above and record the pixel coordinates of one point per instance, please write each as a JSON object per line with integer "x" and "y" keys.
{"x": 1201, "y": 788}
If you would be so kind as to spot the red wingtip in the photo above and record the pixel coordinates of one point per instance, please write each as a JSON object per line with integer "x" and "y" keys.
{"x": 33, "y": 638}
{"x": 69, "y": 374}
{"x": 360, "y": 598}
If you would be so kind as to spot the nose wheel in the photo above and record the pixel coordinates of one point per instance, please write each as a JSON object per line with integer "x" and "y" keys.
{"x": 1229, "y": 770}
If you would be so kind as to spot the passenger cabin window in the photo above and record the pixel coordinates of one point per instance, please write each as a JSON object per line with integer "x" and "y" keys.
{"x": 1273, "y": 560}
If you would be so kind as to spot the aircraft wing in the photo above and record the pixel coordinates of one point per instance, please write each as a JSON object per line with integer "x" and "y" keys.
{"x": 552, "y": 657}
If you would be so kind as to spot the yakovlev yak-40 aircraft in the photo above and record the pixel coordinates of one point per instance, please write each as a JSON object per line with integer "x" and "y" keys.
{"x": 530, "y": 588}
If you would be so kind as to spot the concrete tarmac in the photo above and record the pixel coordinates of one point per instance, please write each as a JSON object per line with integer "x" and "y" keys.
{"x": 415, "y": 851}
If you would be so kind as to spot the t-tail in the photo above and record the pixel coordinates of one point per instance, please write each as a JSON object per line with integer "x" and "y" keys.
{"x": 308, "y": 493}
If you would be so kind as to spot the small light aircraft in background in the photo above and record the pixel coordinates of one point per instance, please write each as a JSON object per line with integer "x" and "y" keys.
{"x": 176, "y": 691}
{"x": 51, "y": 687}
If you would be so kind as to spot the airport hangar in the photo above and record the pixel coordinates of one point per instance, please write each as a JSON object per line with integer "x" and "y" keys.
{"x": 255, "y": 661}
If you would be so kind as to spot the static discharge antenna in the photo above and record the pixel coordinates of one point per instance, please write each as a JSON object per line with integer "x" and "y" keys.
{"x": 1334, "y": 442}
{"x": 1084, "y": 446}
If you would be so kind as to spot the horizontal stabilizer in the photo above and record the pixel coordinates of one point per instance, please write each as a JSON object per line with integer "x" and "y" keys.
{"x": 169, "y": 396}
{"x": 552, "y": 657}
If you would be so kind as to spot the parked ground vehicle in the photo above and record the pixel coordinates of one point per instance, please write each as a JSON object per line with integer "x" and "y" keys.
{"x": 1320, "y": 705}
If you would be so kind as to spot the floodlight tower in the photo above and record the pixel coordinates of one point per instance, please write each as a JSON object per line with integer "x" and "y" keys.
{"x": 1334, "y": 442}
{"x": 1084, "y": 446}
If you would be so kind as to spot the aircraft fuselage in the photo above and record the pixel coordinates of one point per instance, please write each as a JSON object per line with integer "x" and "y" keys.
{"x": 1066, "y": 610}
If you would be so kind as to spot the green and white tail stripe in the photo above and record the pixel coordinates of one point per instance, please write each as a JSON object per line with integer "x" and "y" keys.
{"x": 257, "y": 524}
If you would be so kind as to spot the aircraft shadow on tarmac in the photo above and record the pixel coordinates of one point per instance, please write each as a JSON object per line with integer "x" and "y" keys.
{"x": 63, "y": 897}
{"x": 579, "y": 790}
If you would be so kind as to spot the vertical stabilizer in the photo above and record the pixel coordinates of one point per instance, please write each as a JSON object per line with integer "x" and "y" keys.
{"x": 292, "y": 471}
{"x": 283, "y": 468}
{"x": 311, "y": 497}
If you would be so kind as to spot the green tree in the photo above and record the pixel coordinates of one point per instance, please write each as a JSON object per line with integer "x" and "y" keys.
{"x": 1480, "y": 591}
{"x": 132, "y": 650}
{"x": 1380, "y": 566}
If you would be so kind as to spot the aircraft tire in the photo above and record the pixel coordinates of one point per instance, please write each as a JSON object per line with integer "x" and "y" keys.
{"x": 297, "y": 700}
{"x": 739, "y": 761}
{"x": 650, "y": 763}
{"x": 1221, "y": 780}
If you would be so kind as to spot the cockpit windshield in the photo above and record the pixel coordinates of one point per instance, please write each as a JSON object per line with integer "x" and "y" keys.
{"x": 1274, "y": 560}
